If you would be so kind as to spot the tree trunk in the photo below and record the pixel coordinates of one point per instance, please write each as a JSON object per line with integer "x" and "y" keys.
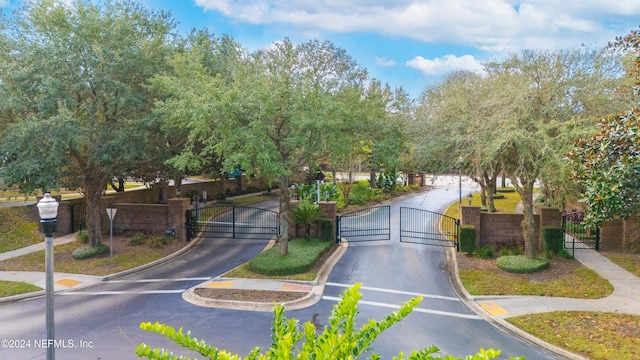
{"x": 94, "y": 184}
{"x": 285, "y": 202}
{"x": 372, "y": 179}
{"x": 528, "y": 224}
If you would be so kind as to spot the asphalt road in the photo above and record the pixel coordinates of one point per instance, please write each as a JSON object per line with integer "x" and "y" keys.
{"x": 102, "y": 321}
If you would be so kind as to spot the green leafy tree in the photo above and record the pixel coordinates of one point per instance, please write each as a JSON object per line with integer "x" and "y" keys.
{"x": 608, "y": 165}
{"x": 189, "y": 102}
{"x": 74, "y": 94}
{"x": 279, "y": 109}
{"x": 340, "y": 339}
{"x": 547, "y": 97}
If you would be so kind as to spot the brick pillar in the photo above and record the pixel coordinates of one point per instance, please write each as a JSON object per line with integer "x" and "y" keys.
{"x": 470, "y": 215}
{"x": 612, "y": 236}
{"x": 177, "y": 216}
{"x": 330, "y": 210}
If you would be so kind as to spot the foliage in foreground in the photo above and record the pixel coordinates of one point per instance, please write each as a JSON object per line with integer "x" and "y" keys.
{"x": 339, "y": 340}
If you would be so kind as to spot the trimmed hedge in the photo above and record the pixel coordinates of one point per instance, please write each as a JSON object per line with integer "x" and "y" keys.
{"x": 505, "y": 189}
{"x": 553, "y": 238}
{"x": 89, "y": 251}
{"x": 520, "y": 264}
{"x": 303, "y": 254}
{"x": 467, "y": 238}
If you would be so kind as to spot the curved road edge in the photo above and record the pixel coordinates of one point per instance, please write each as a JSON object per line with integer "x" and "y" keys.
{"x": 469, "y": 300}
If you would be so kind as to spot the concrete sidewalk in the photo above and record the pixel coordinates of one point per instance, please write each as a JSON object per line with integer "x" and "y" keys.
{"x": 625, "y": 298}
{"x": 62, "y": 281}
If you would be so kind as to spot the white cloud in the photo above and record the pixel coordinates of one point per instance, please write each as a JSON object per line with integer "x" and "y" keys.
{"x": 491, "y": 25}
{"x": 444, "y": 65}
{"x": 381, "y": 61}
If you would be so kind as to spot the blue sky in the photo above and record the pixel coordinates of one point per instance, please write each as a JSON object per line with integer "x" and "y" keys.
{"x": 411, "y": 43}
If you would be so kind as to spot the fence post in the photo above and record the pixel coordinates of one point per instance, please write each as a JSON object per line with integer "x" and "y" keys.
{"x": 233, "y": 221}
{"x": 338, "y": 229}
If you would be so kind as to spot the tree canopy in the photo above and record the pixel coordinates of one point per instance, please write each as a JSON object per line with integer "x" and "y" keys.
{"x": 74, "y": 94}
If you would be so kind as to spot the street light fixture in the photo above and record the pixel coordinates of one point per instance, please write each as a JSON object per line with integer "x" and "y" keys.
{"x": 48, "y": 209}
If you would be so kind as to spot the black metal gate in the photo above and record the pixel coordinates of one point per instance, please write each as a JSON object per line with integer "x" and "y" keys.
{"x": 232, "y": 221}
{"x": 370, "y": 224}
{"x": 578, "y": 236}
{"x": 78, "y": 217}
{"x": 428, "y": 228}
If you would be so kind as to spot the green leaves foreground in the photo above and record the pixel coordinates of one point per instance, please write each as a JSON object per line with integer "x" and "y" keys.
{"x": 339, "y": 340}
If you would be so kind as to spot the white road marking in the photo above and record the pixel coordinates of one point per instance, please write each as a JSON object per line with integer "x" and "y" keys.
{"x": 156, "y": 280}
{"x": 179, "y": 291}
{"x": 421, "y": 310}
{"x": 396, "y": 292}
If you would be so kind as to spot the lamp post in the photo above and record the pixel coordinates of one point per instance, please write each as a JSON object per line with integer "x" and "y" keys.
{"x": 48, "y": 210}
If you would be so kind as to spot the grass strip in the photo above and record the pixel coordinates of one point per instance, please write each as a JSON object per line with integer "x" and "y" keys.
{"x": 582, "y": 284}
{"x": 596, "y": 335}
{"x": 10, "y": 288}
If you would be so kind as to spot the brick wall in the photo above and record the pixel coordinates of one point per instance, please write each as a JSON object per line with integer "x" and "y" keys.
{"x": 505, "y": 230}
{"x": 330, "y": 210}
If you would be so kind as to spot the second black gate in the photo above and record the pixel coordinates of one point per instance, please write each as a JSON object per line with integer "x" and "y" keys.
{"x": 232, "y": 221}
{"x": 368, "y": 224}
{"x": 428, "y": 228}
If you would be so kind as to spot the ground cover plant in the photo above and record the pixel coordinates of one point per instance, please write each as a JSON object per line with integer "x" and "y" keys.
{"x": 596, "y": 335}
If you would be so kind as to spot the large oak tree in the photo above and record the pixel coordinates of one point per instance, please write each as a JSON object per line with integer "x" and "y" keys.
{"x": 74, "y": 94}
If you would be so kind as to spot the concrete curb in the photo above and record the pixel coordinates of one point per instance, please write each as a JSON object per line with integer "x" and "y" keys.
{"x": 311, "y": 298}
{"x": 171, "y": 256}
{"x": 470, "y": 301}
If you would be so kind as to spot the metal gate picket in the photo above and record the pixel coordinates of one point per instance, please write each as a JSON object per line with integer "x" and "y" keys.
{"x": 370, "y": 224}
{"x": 428, "y": 228}
{"x": 232, "y": 221}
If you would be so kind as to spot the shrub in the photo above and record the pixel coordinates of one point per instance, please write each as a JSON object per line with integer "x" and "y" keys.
{"x": 82, "y": 236}
{"x": 340, "y": 339}
{"x": 498, "y": 196}
{"x": 137, "y": 239}
{"x": 302, "y": 255}
{"x": 158, "y": 241}
{"x": 553, "y": 238}
{"x": 307, "y": 214}
{"x": 89, "y": 251}
{"x": 467, "y": 238}
{"x": 520, "y": 264}
{"x": 326, "y": 230}
{"x": 485, "y": 252}
{"x": 507, "y": 189}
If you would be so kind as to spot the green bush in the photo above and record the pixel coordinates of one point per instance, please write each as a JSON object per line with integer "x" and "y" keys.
{"x": 467, "y": 238}
{"x": 82, "y": 236}
{"x": 485, "y": 252}
{"x": 307, "y": 214}
{"x": 158, "y": 241}
{"x": 137, "y": 239}
{"x": 498, "y": 196}
{"x": 303, "y": 254}
{"x": 326, "y": 230}
{"x": 340, "y": 339}
{"x": 507, "y": 189}
{"x": 89, "y": 251}
{"x": 553, "y": 238}
{"x": 520, "y": 264}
